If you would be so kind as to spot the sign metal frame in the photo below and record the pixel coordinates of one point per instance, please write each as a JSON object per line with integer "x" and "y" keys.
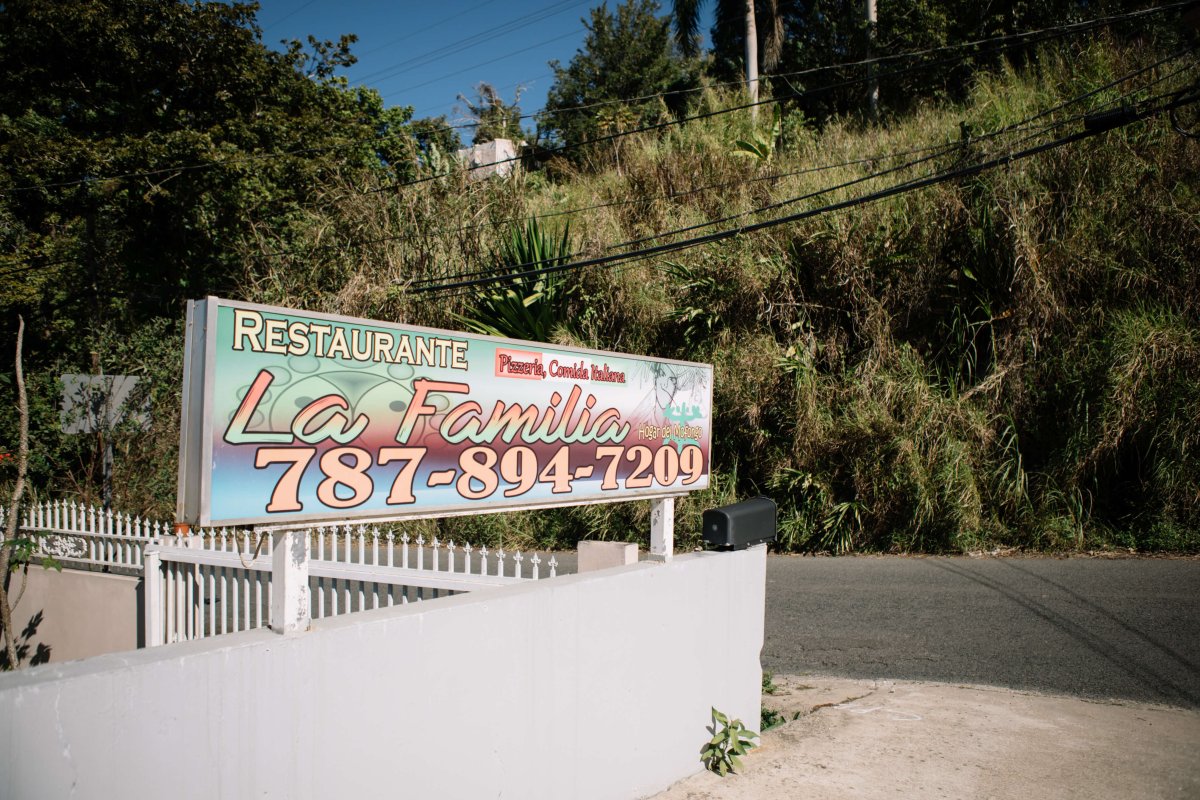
{"x": 197, "y": 423}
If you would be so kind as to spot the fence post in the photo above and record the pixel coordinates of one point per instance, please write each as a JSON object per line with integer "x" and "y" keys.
{"x": 662, "y": 528}
{"x": 152, "y": 596}
{"x": 289, "y": 582}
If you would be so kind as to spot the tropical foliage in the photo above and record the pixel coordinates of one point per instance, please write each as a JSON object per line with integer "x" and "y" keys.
{"x": 1003, "y": 360}
{"x": 627, "y": 56}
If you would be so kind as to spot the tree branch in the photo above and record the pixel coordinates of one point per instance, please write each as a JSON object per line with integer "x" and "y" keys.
{"x": 14, "y": 507}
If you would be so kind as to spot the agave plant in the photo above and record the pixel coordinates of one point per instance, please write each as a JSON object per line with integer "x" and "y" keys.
{"x": 530, "y": 307}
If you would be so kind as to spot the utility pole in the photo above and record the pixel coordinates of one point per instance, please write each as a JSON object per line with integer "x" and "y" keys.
{"x": 872, "y": 81}
{"x": 752, "y": 59}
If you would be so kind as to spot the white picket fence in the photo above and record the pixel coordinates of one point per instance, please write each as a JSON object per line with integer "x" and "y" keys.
{"x": 219, "y": 581}
{"x": 216, "y": 581}
{"x": 74, "y": 533}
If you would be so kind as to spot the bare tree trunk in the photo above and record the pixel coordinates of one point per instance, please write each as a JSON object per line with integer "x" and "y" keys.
{"x": 752, "y": 59}
{"x": 14, "y": 510}
{"x": 872, "y": 81}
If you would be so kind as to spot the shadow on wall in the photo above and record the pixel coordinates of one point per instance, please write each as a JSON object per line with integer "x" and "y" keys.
{"x": 76, "y": 613}
{"x": 25, "y": 644}
{"x": 141, "y": 613}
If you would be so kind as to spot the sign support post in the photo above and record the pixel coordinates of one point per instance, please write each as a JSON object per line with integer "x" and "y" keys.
{"x": 289, "y": 578}
{"x": 662, "y": 529}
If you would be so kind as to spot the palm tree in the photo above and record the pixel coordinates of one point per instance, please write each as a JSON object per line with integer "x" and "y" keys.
{"x": 730, "y": 13}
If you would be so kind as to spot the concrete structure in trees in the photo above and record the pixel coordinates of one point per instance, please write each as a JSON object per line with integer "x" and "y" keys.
{"x": 496, "y": 158}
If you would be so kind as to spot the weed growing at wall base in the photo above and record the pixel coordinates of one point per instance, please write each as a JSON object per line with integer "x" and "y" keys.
{"x": 730, "y": 741}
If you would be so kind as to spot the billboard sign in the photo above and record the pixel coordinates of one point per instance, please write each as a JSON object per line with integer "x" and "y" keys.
{"x": 292, "y": 417}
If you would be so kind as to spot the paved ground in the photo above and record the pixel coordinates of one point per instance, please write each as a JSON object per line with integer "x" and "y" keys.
{"x": 868, "y": 740}
{"x": 977, "y": 678}
{"x": 1100, "y": 628}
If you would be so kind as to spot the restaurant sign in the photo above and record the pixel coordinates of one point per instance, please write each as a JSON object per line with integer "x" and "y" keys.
{"x": 292, "y": 417}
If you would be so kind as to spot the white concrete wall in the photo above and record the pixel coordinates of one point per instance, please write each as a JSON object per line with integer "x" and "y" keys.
{"x": 83, "y": 613}
{"x": 584, "y": 686}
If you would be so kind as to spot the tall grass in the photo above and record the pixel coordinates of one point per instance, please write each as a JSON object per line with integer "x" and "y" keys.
{"x": 1001, "y": 361}
{"x": 1007, "y": 360}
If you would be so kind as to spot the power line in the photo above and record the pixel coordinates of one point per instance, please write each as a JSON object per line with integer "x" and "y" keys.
{"x": 482, "y": 64}
{"x": 429, "y": 27}
{"x": 1073, "y": 27}
{"x": 419, "y": 285}
{"x": 1059, "y": 30}
{"x": 613, "y": 203}
{"x": 288, "y": 15}
{"x": 622, "y": 134}
{"x": 675, "y": 195}
{"x": 647, "y": 253}
{"x": 1095, "y": 124}
{"x": 937, "y": 151}
{"x": 1128, "y": 117}
{"x": 1008, "y": 129}
{"x": 940, "y": 150}
{"x": 466, "y": 43}
{"x": 1014, "y": 127}
{"x": 618, "y": 135}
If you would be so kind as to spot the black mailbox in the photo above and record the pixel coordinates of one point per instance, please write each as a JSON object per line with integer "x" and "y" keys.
{"x": 740, "y": 525}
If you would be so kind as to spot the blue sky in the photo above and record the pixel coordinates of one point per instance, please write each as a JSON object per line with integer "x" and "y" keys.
{"x": 426, "y": 54}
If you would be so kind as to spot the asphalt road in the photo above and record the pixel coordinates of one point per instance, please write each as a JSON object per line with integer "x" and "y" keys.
{"x": 1096, "y": 628}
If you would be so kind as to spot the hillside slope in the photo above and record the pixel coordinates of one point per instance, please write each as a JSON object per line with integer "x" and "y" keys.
{"x": 1001, "y": 359}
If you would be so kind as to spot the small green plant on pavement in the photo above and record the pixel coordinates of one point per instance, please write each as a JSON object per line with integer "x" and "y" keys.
{"x": 770, "y": 718}
{"x": 730, "y": 740}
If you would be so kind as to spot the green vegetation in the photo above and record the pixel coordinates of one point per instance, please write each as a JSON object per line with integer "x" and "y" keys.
{"x": 627, "y": 56}
{"x": 1005, "y": 360}
{"x": 769, "y": 718}
{"x": 494, "y": 118}
{"x": 730, "y": 741}
{"x": 533, "y": 308}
